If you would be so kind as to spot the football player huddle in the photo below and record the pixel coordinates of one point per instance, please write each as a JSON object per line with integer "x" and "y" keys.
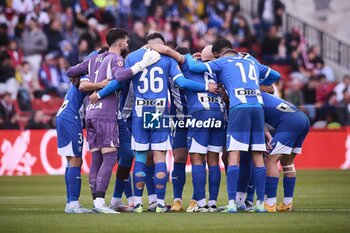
{"x": 217, "y": 104}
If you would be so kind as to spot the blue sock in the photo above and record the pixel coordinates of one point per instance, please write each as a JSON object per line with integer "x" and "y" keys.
{"x": 245, "y": 171}
{"x": 150, "y": 180}
{"x": 288, "y": 186}
{"x": 214, "y": 182}
{"x": 160, "y": 183}
{"x": 271, "y": 186}
{"x": 67, "y": 186}
{"x": 118, "y": 188}
{"x": 251, "y": 189}
{"x": 178, "y": 178}
{"x": 74, "y": 182}
{"x": 260, "y": 182}
{"x": 232, "y": 181}
{"x": 127, "y": 188}
{"x": 198, "y": 181}
{"x": 139, "y": 177}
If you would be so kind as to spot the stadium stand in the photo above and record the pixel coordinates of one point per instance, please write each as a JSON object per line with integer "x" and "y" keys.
{"x": 39, "y": 40}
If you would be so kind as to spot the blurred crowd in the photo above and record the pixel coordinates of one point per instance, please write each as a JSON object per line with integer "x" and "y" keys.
{"x": 39, "y": 40}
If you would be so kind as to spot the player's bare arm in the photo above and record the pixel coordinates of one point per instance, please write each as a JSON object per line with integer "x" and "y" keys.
{"x": 163, "y": 49}
{"x": 89, "y": 86}
{"x": 268, "y": 138}
{"x": 268, "y": 89}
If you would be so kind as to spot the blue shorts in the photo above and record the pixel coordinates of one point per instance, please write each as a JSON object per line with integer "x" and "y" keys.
{"x": 69, "y": 137}
{"x": 290, "y": 135}
{"x": 245, "y": 129}
{"x": 150, "y": 137}
{"x": 201, "y": 140}
{"x": 179, "y": 136}
{"x": 125, "y": 154}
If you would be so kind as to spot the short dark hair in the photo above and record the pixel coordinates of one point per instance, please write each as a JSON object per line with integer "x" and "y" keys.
{"x": 220, "y": 44}
{"x": 115, "y": 34}
{"x": 154, "y": 35}
{"x": 182, "y": 50}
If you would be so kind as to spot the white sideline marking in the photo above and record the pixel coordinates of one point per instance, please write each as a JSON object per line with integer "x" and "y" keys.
{"x": 30, "y": 197}
{"x": 25, "y": 209}
{"x": 321, "y": 210}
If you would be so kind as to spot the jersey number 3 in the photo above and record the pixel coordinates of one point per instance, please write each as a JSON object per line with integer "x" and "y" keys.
{"x": 154, "y": 83}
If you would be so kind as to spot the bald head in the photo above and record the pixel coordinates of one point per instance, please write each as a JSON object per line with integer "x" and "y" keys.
{"x": 207, "y": 54}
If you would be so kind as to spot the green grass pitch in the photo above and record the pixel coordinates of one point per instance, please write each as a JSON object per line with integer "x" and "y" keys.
{"x": 35, "y": 204}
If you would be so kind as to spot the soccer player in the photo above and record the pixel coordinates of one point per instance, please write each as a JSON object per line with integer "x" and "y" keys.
{"x": 178, "y": 109}
{"x": 102, "y": 129}
{"x": 70, "y": 141}
{"x": 151, "y": 98}
{"x": 204, "y": 143}
{"x": 125, "y": 154}
{"x": 180, "y": 154}
{"x": 291, "y": 127}
{"x": 70, "y": 144}
{"x": 246, "y": 118}
{"x": 125, "y": 160}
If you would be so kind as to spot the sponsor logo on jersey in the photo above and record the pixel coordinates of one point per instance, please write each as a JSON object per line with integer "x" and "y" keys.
{"x": 212, "y": 99}
{"x": 248, "y": 92}
{"x": 150, "y": 102}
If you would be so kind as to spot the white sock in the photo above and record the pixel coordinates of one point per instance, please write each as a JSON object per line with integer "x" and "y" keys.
{"x": 211, "y": 202}
{"x": 115, "y": 201}
{"x": 152, "y": 198}
{"x": 178, "y": 199}
{"x": 240, "y": 197}
{"x": 131, "y": 201}
{"x": 161, "y": 202}
{"x": 99, "y": 202}
{"x": 271, "y": 201}
{"x": 74, "y": 204}
{"x": 287, "y": 200}
{"x": 201, "y": 202}
{"x": 138, "y": 200}
{"x": 231, "y": 202}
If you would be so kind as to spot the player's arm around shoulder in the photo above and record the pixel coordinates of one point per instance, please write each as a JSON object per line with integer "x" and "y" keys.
{"x": 86, "y": 85}
{"x": 194, "y": 65}
{"x": 163, "y": 49}
{"x": 185, "y": 83}
{"x": 149, "y": 58}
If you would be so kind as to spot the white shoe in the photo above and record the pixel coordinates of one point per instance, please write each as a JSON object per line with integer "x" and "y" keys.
{"x": 68, "y": 210}
{"x": 104, "y": 209}
{"x": 213, "y": 209}
{"x": 81, "y": 210}
{"x": 152, "y": 206}
{"x": 204, "y": 209}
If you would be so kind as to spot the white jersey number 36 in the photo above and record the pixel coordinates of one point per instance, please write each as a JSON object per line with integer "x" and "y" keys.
{"x": 154, "y": 83}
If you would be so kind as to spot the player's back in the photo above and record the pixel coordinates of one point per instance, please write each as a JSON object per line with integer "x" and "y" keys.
{"x": 100, "y": 68}
{"x": 277, "y": 110}
{"x": 178, "y": 100}
{"x": 153, "y": 82}
{"x": 198, "y": 101}
{"x": 240, "y": 78}
{"x": 73, "y": 101}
